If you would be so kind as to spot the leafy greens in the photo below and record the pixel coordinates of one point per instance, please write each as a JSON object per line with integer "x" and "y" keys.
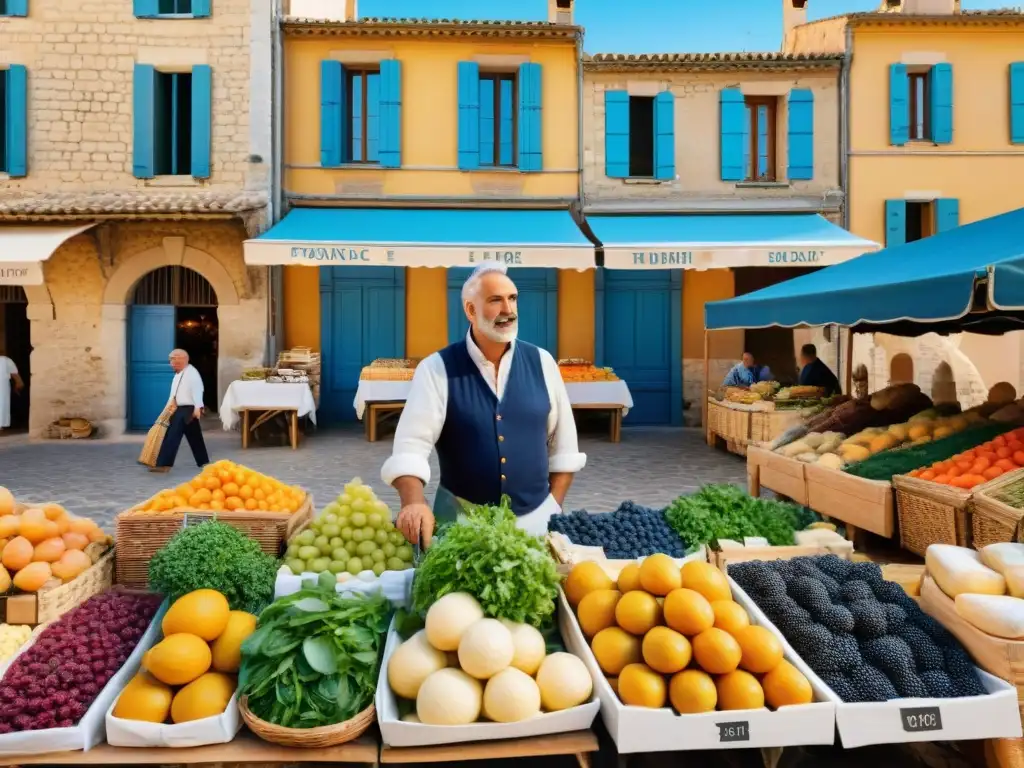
{"x": 509, "y": 571}
{"x": 314, "y": 658}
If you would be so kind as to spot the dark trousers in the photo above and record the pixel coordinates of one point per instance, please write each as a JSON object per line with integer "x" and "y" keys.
{"x": 183, "y": 425}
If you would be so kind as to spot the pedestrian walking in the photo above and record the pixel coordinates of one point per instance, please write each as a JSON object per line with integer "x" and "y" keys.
{"x": 9, "y": 379}
{"x": 187, "y": 399}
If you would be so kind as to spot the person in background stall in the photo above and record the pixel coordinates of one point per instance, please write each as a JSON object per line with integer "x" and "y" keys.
{"x": 10, "y": 381}
{"x": 498, "y": 414}
{"x": 746, "y": 373}
{"x": 814, "y": 373}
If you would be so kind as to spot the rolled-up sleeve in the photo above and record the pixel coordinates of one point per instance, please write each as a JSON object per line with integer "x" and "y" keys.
{"x": 420, "y": 424}
{"x": 563, "y": 446}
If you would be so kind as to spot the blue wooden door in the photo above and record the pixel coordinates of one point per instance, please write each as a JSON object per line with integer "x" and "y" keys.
{"x": 639, "y": 334}
{"x": 538, "y": 305}
{"x": 150, "y": 340}
{"x": 362, "y": 317}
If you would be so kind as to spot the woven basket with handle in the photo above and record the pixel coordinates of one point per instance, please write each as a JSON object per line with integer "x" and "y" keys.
{"x": 309, "y": 738}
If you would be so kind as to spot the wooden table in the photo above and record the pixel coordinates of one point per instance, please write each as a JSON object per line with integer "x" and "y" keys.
{"x": 615, "y": 412}
{"x": 375, "y": 412}
{"x": 578, "y": 743}
{"x": 264, "y": 417}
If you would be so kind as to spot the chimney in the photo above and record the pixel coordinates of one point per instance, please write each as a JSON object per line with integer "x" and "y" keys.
{"x": 560, "y": 12}
{"x": 794, "y": 13}
{"x": 351, "y": 10}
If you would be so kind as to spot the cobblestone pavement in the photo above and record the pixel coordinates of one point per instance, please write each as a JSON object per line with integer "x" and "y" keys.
{"x": 101, "y": 478}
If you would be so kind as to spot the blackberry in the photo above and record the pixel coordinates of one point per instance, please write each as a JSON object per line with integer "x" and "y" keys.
{"x": 909, "y": 685}
{"x": 833, "y": 566}
{"x": 934, "y": 630}
{"x": 939, "y": 684}
{"x": 963, "y": 672}
{"x": 871, "y": 684}
{"x": 835, "y": 618}
{"x": 895, "y": 618}
{"x": 784, "y": 612}
{"x": 840, "y": 655}
{"x": 868, "y": 618}
{"x": 812, "y": 641}
{"x": 928, "y": 657}
{"x": 841, "y": 686}
{"x": 891, "y": 592}
{"x": 867, "y": 572}
{"x": 855, "y": 590}
{"x": 890, "y": 654}
{"x": 810, "y": 593}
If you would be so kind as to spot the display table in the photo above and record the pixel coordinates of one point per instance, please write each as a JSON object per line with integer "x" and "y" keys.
{"x": 578, "y": 743}
{"x": 375, "y": 399}
{"x": 244, "y": 397}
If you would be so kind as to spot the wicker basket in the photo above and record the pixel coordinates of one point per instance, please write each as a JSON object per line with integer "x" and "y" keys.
{"x": 736, "y": 426}
{"x": 49, "y": 604}
{"x": 765, "y": 426}
{"x": 930, "y": 513}
{"x": 992, "y": 520}
{"x": 716, "y": 416}
{"x": 138, "y": 536}
{"x": 309, "y": 738}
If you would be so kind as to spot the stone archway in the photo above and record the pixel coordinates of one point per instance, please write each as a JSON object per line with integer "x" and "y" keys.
{"x": 943, "y": 384}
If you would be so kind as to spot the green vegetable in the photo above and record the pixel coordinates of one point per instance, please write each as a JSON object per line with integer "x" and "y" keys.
{"x": 314, "y": 658}
{"x": 727, "y": 512}
{"x": 213, "y": 555}
{"x": 899, "y": 461}
{"x": 1012, "y": 495}
{"x": 509, "y": 571}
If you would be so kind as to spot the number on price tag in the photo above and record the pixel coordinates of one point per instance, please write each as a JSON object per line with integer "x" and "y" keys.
{"x": 739, "y": 731}
{"x": 921, "y": 719}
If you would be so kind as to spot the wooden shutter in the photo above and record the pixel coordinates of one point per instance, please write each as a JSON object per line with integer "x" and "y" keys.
{"x": 390, "y": 125}
{"x": 17, "y": 8}
{"x": 899, "y": 105}
{"x": 800, "y": 132}
{"x": 942, "y": 103}
{"x": 202, "y": 118}
{"x": 734, "y": 134}
{"x": 469, "y": 115}
{"x": 143, "y": 121}
{"x": 16, "y": 109}
{"x": 531, "y": 138}
{"x": 895, "y": 222}
{"x": 332, "y": 109}
{"x": 616, "y": 134}
{"x": 665, "y": 136}
{"x": 947, "y": 214}
{"x": 1017, "y": 102}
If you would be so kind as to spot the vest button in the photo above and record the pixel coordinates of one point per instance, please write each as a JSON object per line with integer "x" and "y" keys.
{"x": 498, "y": 417}
{"x": 501, "y": 438}
{"x": 503, "y": 478}
{"x": 502, "y": 459}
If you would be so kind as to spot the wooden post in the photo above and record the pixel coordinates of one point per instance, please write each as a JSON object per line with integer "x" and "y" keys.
{"x": 704, "y": 389}
{"x": 849, "y": 361}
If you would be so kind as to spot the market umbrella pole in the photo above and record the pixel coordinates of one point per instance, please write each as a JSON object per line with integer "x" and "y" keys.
{"x": 849, "y": 361}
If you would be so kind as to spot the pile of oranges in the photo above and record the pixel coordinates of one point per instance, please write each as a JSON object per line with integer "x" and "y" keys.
{"x": 998, "y": 456}
{"x": 229, "y": 487}
{"x": 669, "y": 635}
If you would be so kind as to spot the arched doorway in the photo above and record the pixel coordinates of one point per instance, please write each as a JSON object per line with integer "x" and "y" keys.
{"x": 15, "y": 343}
{"x": 901, "y": 369}
{"x": 171, "y": 306}
{"x": 943, "y": 384}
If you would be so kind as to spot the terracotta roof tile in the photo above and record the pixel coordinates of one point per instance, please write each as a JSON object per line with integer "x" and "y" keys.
{"x": 417, "y": 26}
{"x": 753, "y": 60}
{"x": 129, "y": 203}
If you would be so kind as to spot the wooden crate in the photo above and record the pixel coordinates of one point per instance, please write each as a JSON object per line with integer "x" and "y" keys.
{"x": 765, "y": 426}
{"x": 858, "y": 502}
{"x": 736, "y": 426}
{"x": 931, "y": 513}
{"x": 140, "y": 535}
{"x": 51, "y": 603}
{"x": 777, "y": 473}
{"x": 726, "y": 557}
{"x": 992, "y": 520}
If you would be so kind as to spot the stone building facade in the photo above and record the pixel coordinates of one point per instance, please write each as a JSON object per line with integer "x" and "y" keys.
{"x": 151, "y": 133}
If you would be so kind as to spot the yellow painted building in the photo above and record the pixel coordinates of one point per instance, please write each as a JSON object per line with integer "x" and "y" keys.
{"x": 934, "y": 139}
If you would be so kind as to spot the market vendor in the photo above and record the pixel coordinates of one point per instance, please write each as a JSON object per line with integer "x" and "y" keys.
{"x": 746, "y": 373}
{"x": 814, "y": 373}
{"x": 498, "y": 414}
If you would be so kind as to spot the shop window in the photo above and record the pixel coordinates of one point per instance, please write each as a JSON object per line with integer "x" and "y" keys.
{"x": 919, "y": 221}
{"x": 363, "y": 89}
{"x": 498, "y": 119}
{"x": 172, "y": 123}
{"x": 920, "y": 98}
{"x": 641, "y": 136}
{"x": 759, "y": 153}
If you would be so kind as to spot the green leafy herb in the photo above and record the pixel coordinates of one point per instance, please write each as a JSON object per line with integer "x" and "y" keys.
{"x": 314, "y": 658}
{"x": 727, "y": 512}
{"x": 509, "y": 571}
{"x": 213, "y": 555}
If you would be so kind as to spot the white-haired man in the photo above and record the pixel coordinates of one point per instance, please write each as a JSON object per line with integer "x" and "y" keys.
{"x": 498, "y": 414}
{"x": 187, "y": 396}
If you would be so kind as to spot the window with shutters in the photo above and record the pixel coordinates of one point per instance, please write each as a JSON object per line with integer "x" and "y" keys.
{"x": 759, "y": 152}
{"x": 498, "y": 98}
{"x": 920, "y": 99}
{"x": 919, "y": 221}
{"x": 3, "y": 119}
{"x": 174, "y": 7}
{"x": 641, "y": 136}
{"x": 172, "y": 124}
{"x": 363, "y": 109}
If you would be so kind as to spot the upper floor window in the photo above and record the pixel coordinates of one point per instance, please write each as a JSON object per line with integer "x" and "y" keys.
{"x": 920, "y": 96}
{"x": 498, "y": 119}
{"x": 364, "y": 116}
{"x": 641, "y": 136}
{"x": 360, "y": 114}
{"x": 13, "y": 7}
{"x": 14, "y": 121}
{"x": 639, "y": 139}
{"x": 172, "y": 122}
{"x": 149, "y": 9}
{"x": 749, "y": 137}
{"x": 759, "y": 153}
{"x": 920, "y": 104}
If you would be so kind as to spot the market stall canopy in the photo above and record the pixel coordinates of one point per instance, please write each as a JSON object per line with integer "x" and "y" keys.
{"x": 966, "y": 279}
{"x": 24, "y": 249}
{"x": 389, "y": 237}
{"x": 720, "y": 241}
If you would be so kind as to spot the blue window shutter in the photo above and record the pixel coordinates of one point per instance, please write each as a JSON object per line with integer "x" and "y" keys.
{"x": 616, "y": 134}
{"x": 531, "y": 138}
{"x": 665, "y": 136}
{"x": 143, "y": 113}
{"x": 202, "y": 117}
{"x": 146, "y": 9}
{"x": 947, "y": 214}
{"x": 942, "y": 103}
{"x": 390, "y": 125}
{"x": 801, "y": 134}
{"x": 1017, "y": 102}
{"x": 899, "y": 105}
{"x": 895, "y": 222}
{"x": 469, "y": 115}
{"x": 16, "y": 110}
{"x": 200, "y": 8}
{"x": 17, "y": 7}
{"x": 734, "y": 134}
{"x": 332, "y": 124}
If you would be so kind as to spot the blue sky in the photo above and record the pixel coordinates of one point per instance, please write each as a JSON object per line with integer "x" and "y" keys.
{"x": 617, "y": 26}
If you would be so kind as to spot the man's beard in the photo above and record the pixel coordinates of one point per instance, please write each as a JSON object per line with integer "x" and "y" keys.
{"x": 502, "y": 329}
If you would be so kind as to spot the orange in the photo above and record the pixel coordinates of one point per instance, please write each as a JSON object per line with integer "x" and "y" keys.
{"x": 761, "y": 650}
{"x": 786, "y": 685}
{"x": 629, "y": 578}
{"x": 637, "y": 613}
{"x": 230, "y": 489}
{"x": 739, "y": 690}
{"x": 251, "y": 503}
{"x": 706, "y": 579}
{"x": 688, "y": 612}
{"x": 730, "y": 616}
{"x": 614, "y": 648}
{"x": 232, "y": 503}
{"x": 659, "y": 575}
{"x": 596, "y": 611}
{"x": 716, "y": 651}
{"x": 584, "y": 578}
{"x": 245, "y": 491}
{"x": 665, "y": 650}
{"x": 692, "y": 692}
{"x": 641, "y": 686}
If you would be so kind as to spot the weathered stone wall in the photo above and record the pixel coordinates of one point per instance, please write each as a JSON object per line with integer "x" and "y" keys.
{"x": 79, "y": 365}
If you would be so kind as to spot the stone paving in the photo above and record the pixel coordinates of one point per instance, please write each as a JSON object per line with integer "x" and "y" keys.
{"x": 101, "y": 478}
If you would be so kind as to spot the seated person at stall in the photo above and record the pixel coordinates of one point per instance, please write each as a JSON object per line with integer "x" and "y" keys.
{"x": 814, "y": 373}
{"x": 747, "y": 373}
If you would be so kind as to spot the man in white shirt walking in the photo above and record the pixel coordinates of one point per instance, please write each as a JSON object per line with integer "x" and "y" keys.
{"x": 498, "y": 414}
{"x": 8, "y": 378}
{"x": 187, "y": 396}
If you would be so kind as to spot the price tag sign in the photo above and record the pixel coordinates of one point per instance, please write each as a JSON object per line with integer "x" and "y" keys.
{"x": 920, "y": 719}
{"x": 732, "y": 732}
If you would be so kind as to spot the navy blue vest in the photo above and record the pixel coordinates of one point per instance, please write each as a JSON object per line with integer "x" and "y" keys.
{"x": 489, "y": 448}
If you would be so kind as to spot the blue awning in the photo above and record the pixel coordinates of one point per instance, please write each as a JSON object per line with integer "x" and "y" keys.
{"x": 422, "y": 237}
{"x": 926, "y": 281}
{"x": 681, "y": 241}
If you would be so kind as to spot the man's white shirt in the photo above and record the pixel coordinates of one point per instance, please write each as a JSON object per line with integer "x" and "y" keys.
{"x": 187, "y": 388}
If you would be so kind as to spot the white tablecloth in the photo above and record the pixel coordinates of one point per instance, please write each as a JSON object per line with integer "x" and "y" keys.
{"x": 379, "y": 392}
{"x": 259, "y": 395}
